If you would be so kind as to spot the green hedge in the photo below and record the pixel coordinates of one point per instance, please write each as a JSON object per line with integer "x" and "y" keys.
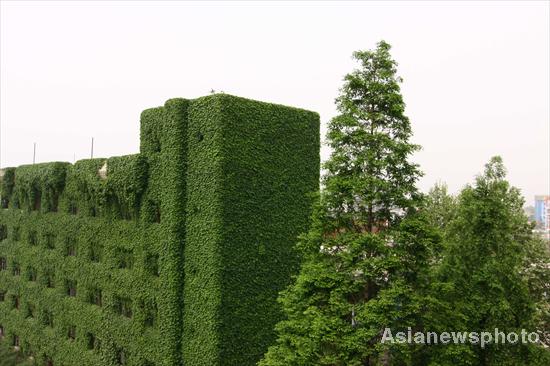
{"x": 168, "y": 257}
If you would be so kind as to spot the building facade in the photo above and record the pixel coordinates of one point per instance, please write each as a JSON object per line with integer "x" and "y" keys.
{"x": 173, "y": 256}
{"x": 542, "y": 217}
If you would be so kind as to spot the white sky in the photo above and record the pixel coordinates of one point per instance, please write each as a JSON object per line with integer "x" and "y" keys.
{"x": 476, "y": 75}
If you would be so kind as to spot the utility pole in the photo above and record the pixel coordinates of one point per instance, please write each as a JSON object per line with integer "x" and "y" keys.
{"x": 92, "y": 153}
{"x": 34, "y": 154}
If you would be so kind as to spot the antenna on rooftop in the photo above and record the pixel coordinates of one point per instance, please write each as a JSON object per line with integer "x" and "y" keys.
{"x": 92, "y": 152}
{"x": 34, "y": 153}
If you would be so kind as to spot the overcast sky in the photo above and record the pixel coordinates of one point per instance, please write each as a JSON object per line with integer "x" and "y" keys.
{"x": 476, "y": 75}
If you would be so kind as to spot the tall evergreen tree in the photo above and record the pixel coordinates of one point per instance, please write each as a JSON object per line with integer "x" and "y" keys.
{"x": 369, "y": 180}
{"x": 367, "y": 251}
{"x": 494, "y": 274}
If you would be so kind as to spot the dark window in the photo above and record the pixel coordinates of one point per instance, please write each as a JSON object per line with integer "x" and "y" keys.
{"x": 31, "y": 237}
{"x": 3, "y": 232}
{"x": 49, "y": 280}
{"x": 96, "y": 251}
{"x": 37, "y": 200}
{"x": 2, "y": 295}
{"x": 16, "y": 269}
{"x": 72, "y": 208}
{"x": 49, "y": 240}
{"x": 15, "y": 302}
{"x": 125, "y": 258}
{"x": 124, "y": 307}
{"x": 155, "y": 144}
{"x": 30, "y": 311}
{"x": 70, "y": 244}
{"x": 71, "y": 251}
{"x": 95, "y": 297}
{"x": 15, "y": 341}
{"x": 151, "y": 212}
{"x": 157, "y": 214}
{"x": 71, "y": 288}
{"x": 152, "y": 264}
{"x": 3, "y": 264}
{"x": 149, "y": 313}
{"x": 16, "y": 233}
{"x": 71, "y": 332}
{"x": 31, "y": 274}
{"x": 92, "y": 342}
{"x": 47, "y": 318}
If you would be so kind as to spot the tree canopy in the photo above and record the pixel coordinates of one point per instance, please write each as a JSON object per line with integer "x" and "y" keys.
{"x": 380, "y": 255}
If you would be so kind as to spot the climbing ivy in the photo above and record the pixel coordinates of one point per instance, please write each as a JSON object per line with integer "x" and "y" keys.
{"x": 171, "y": 256}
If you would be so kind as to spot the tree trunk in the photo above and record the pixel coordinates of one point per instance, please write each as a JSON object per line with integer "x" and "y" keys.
{"x": 385, "y": 359}
{"x": 370, "y": 219}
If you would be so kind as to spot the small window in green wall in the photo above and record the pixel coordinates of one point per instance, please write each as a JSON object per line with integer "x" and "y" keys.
{"x": 32, "y": 237}
{"x": 31, "y": 274}
{"x": 95, "y": 297}
{"x": 149, "y": 310}
{"x": 30, "y": 311}
{"x": 96, "y": 252}
{"x": 16, "y": 233}
{"x": 92, "y": 343}
{"x": 71, "y": 288}
{"x": 49, "y": 240}
{"x": 71, "y": 332}
{"x": 124, "y": 258}
{"x": 47, "y": 318}
{"x": 37, "y": 200}
{"x": 3, "y": 232}
{"x": 157, "y": 214}
{"x": 49, "y": 280}
{"x": 123, "y": 306}
{"x": 16, "y": 302}
{"x": 70, "y": 246}
{"x": 152, "y": 264}
{"x": 151, "y": 211}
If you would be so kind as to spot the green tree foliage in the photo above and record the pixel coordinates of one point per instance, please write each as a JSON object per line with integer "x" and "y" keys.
{"x": 365, "y": 257}
{"x": 494, "y": 274}
{"x": 440, "y": 206}
{"x": 369, "y": 179}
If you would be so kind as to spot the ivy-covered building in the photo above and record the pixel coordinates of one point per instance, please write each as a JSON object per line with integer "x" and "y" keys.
{"x": 173, "y": 256}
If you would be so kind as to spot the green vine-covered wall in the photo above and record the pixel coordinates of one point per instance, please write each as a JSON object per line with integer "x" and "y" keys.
{"x": 173, "y": 256}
